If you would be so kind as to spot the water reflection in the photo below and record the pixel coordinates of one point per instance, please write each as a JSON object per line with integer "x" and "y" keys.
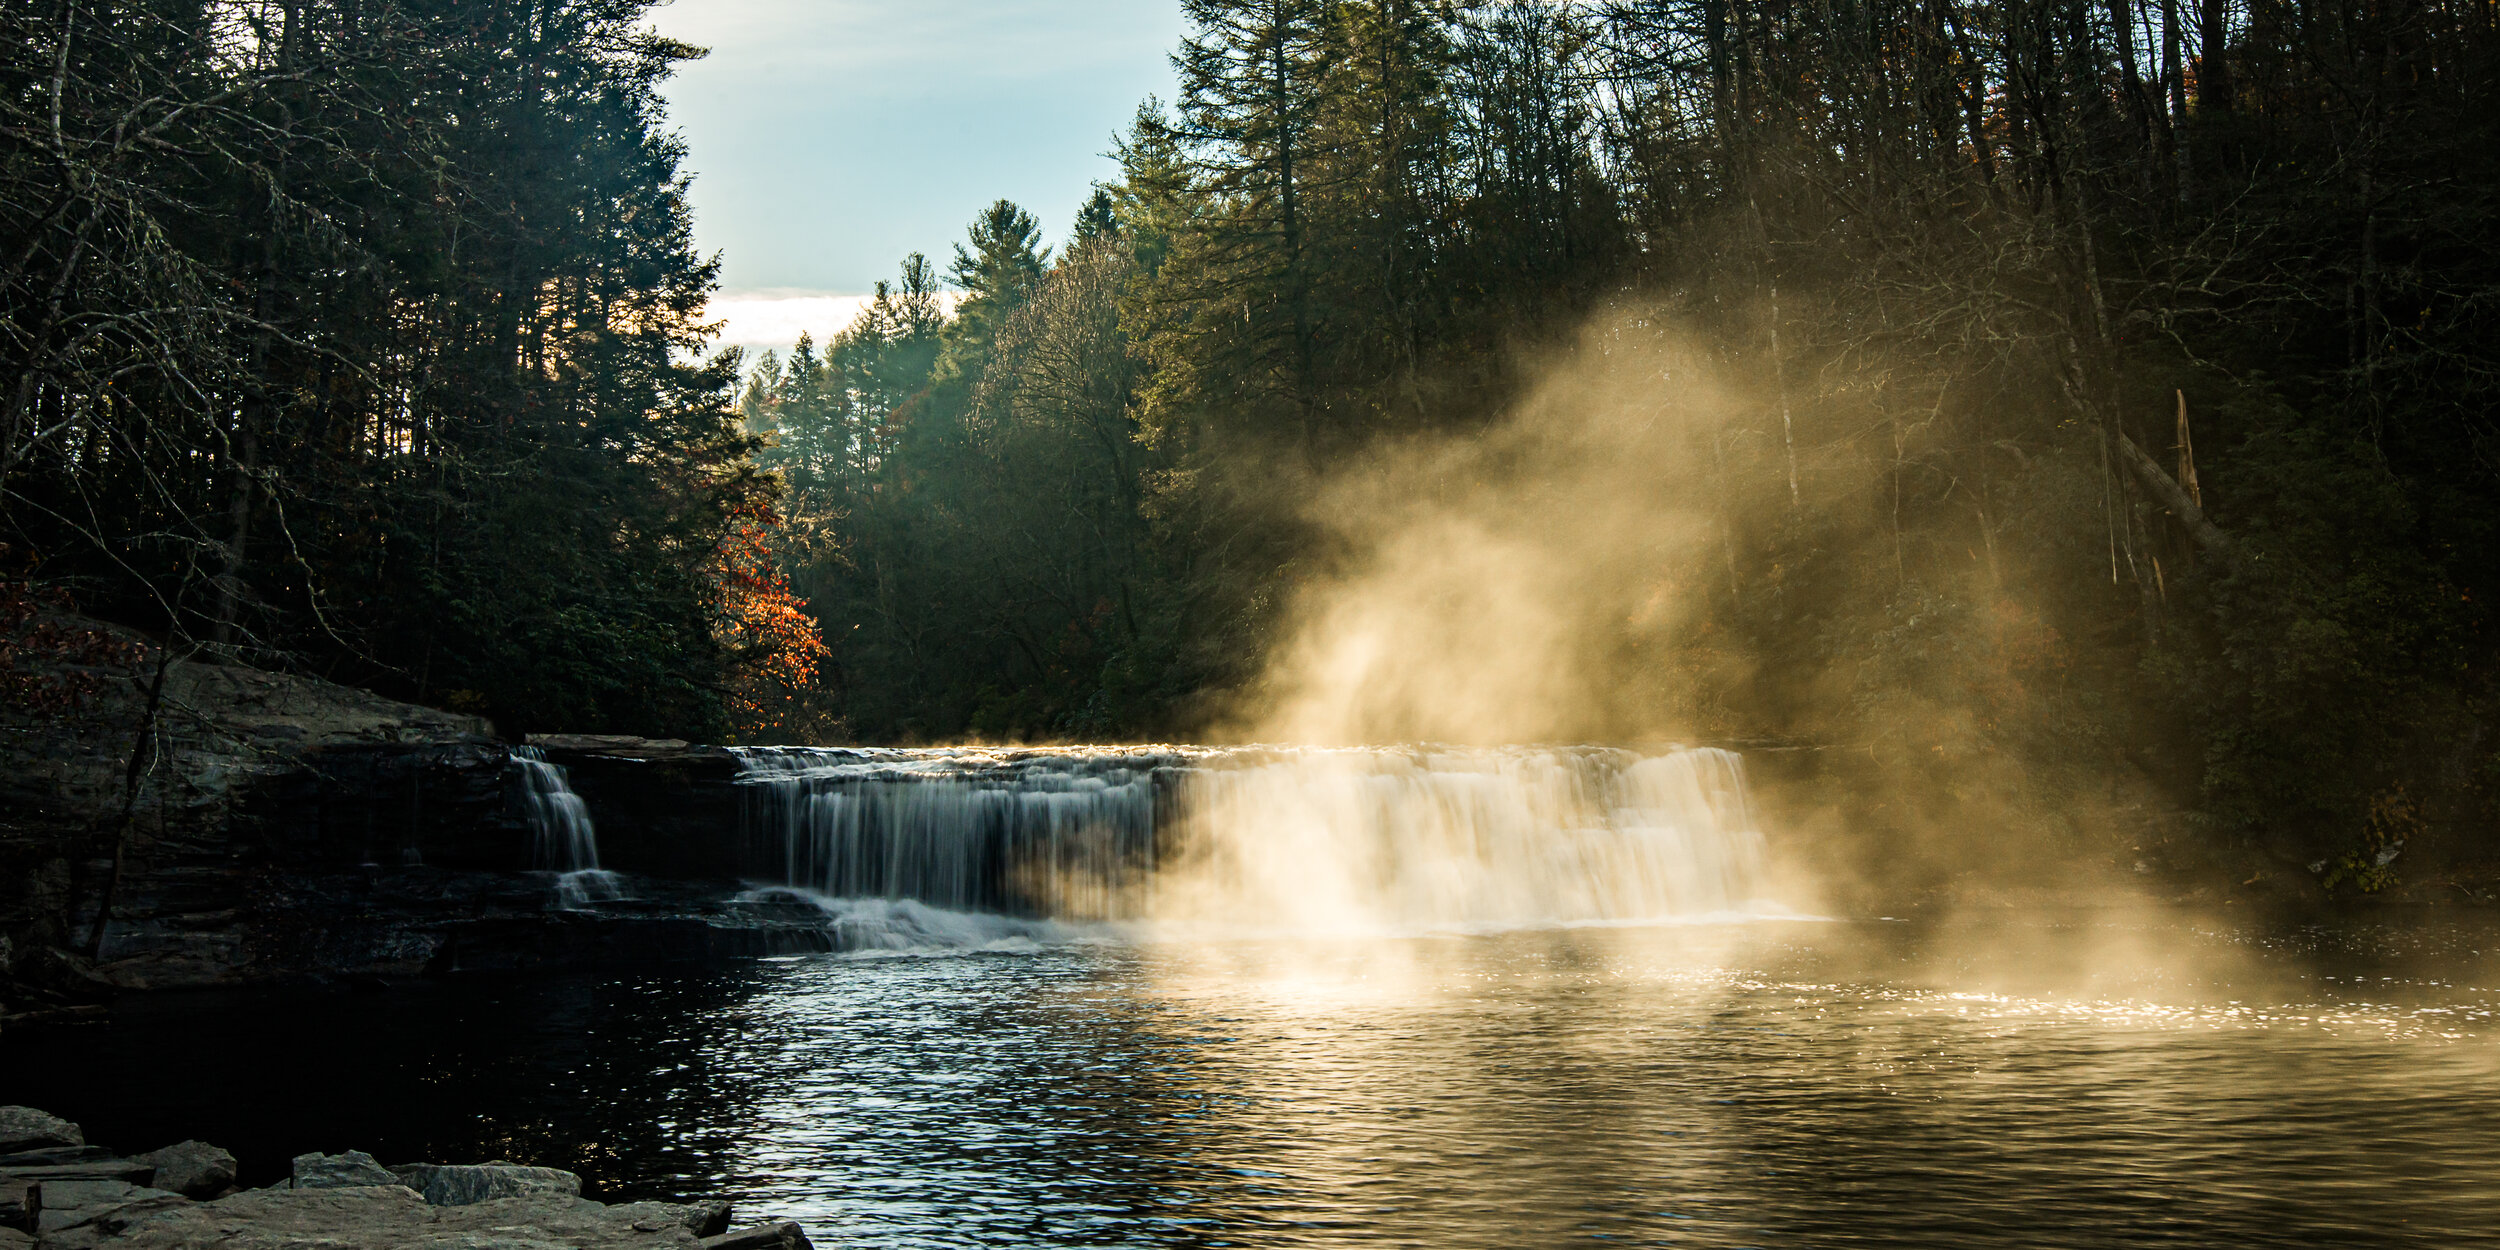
{"x": 2086, "y": 1081}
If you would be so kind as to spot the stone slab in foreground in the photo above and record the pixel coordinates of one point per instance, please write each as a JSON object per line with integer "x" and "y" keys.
{"x": 394, "y": 1217}
{"x": 66, "y": 1195}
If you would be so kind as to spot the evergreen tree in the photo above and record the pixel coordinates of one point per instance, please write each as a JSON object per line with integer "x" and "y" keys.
{"x": 1098, "y": 219}
{"x": 1252, "y": 74}
{"x": 1005, "y": 262}
{"x": 399, "y": 395}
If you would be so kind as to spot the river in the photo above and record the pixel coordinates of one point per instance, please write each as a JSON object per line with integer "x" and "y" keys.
{"x": 2083, "y": 1078}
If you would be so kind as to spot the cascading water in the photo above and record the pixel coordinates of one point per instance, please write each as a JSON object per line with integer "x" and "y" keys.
{"x": 1338, "y": 840}
{"x": 565, "y": 840}
{"x": 1065, "y": 835}
{"x": 1301, "y": 840}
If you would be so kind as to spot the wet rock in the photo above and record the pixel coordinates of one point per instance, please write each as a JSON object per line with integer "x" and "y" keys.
{"x": 193, "y": 1169}
{"x": 460, "y": 1185}
{"x": 19, "y": 1202}
{"x": 703, "y": 1219}
{"x": 24, "y": 1128}
{"x": 779, "y": 1235}
{"x": 706, "y": 1219}
{"x": 350, "y": 1169}
{"x": 394, "y": 1217}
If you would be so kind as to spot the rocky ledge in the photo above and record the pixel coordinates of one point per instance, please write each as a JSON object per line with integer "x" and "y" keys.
{"x": 248, "y": 827}
{"x": 59, "y": 1192}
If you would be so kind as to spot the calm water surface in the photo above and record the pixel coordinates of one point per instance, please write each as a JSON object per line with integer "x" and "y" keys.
{"x": 2077, "y": 1080}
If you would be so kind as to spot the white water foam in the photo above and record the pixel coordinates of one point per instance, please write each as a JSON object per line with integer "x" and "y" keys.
{"x": 564, "y": 839}
{"x": 1065, "y": 835}
{"x": 868, "y": 928}
{"x": 1268, "y": 841}
{"x": 1465, "y": 841}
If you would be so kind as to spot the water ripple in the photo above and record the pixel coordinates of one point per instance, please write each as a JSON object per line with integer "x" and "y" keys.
{"x": 2039, "y": 1082}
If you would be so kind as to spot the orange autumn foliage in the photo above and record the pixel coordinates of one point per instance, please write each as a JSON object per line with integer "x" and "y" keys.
{"x": 771, "y": 640}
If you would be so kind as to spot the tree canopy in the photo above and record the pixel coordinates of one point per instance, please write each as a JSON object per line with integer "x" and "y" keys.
{"x": 2103, "y": 389}
{"x": 366, "y": 338}
{"x": 2078, "y": 406}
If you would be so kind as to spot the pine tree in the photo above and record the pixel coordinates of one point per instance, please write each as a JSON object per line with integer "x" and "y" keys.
{"x": 1097, "y": 219}
{"x": 1252, "y": 75}
{"x": 1005, "y": 263}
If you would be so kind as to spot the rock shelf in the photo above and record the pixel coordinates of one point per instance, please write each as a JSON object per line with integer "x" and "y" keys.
{"x": 58, "y": 1192}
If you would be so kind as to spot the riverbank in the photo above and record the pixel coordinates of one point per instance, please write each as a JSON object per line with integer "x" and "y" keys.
{"x": 58, "y": 1191}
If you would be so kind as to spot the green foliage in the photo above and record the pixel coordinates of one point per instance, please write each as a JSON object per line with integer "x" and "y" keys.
{"x": 1946, "y": 265}
{"x": 979, "y": 554}
{"x": 386, "y": 359}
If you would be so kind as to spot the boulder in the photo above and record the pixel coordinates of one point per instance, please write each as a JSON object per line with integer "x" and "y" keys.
{"x": 460, "y": 1185}
{"x": 193, "y": 1169}
{"x": 24, "y": 1128}
{"x": 394, "y": 1217}
{"x": 703, "y": 1219}
{"x": 107, "y": 1205}
{"x": 348, "y": 1169}
{"x": 778, "y": 1235}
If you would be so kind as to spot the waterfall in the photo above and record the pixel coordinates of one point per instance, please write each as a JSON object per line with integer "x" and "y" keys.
{"x": 564, "y": 840}
{"x": 1301, "y": 839}
{"x": 1429, "y": 839}
{"x": 1059, "y": 834}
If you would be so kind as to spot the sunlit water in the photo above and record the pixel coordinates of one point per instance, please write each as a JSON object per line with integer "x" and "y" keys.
{"x": 2088, "y": 1080}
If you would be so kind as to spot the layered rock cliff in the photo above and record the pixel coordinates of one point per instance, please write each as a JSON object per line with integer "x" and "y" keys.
{"x": 234, "y": 825}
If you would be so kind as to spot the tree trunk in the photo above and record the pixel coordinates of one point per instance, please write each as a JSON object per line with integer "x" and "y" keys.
{"x": 2167, "y": 492}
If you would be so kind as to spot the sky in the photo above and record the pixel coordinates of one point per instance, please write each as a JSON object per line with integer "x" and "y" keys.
{"x": 830, "y": 138}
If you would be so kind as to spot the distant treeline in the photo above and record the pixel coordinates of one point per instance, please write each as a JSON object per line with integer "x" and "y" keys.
{"x": 352, "y": 334}
{"x": 2121, "y": 382}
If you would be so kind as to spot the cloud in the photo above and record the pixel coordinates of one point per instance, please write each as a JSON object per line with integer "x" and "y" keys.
{"x": 774, "y": 318}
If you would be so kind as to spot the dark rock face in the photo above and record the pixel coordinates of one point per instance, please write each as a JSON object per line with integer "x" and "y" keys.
{"x": 247, "y": 773}
{"x": 193, "y": 1169}
{"x": 318, "y": 869}
{"x": 664, "y": 809}
{"x": 20, "y": 1202}
{"x": 292, "y": 829}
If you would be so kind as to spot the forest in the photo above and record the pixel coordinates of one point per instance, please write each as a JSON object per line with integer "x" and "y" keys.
{"x": 2103, "y": 385}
